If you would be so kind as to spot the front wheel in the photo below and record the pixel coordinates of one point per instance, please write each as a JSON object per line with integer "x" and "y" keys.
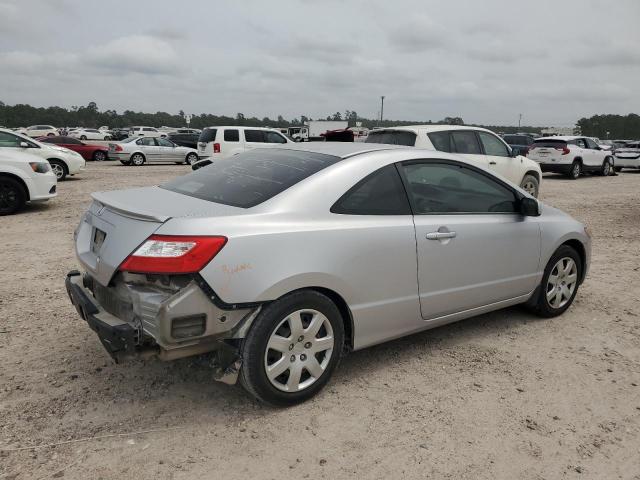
{"x": 83, "y": 137}
{"x": 12, "y": 196}
{"x": 99, "y": 156}
{"x": 191, "y": 159}
{"x": 292, "y": 348}
{"x": 605, "y": 171}
{"x": 59, "y": 168}
{"x": 559, "y": 284}
{"x": 531, "y": 185}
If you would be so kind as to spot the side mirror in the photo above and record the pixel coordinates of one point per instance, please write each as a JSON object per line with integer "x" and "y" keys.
{"x": 24, "y": 145}
{"x": 200, "y": 164}
{"x": 529, "y": 207}
{"x": 513, "y": 152}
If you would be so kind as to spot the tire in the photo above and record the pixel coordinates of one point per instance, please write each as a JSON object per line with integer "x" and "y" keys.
{"x": 60, "y": 169}
{"x": 545, "y": 302}
{"x": 605, "y": 171}
{"x": 531, "y": 185}
{"x": 51, "y": 134}
{"x": 312, "y": 310}
{"x": 137, "y": 159}
{"x": 83, "y": 137}
{"x": 576, "y": 170}
{"x": 12, "y": 196}
{"x": 99, "y": 156}
{"x": 191, "y": 159}
{"x": 107, "y": 137}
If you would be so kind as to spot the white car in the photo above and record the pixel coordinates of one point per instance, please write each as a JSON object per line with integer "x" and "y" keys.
{"x": 24, "y": 178}
{"x": 224, "y": 142}
{"x": 35, "y": 131}
{"x": 146, "y": 132}
{"x": 63, "y": 161}
{"x": 571, "y": 156}
{"x": 89, "y": 134}
{"x": 477, "y": 145}
{"x": 628, "y": 156}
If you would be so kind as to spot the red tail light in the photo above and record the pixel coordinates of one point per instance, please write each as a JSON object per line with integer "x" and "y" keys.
{"x": 565, "y": 151}
{"x": 118, "y": 148}
{"x": 216, "y": 148}
{"x": 173, "y": 254}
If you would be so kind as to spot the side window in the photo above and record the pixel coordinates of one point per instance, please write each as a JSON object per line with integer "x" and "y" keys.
{"x": 231, "y": 136}
{"x": 465, "y": 142}
{"x": 273, "y": 137}
{"x": 163, "y": 142}
{"x": 254, "y": 136}
{"x": 580, "y": 142}
{"x": 380, "y": 193}
{"x": 591, "y": 144}
{"x": 8, "y": 140}
{"x": 493, "y": 145}
{"x": 441, "y": 141}
{"x": 146, "y": 141}
{"x": 437, "y": 188}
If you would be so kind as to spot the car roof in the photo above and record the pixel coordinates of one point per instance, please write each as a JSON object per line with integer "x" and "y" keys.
{"x": 341, "y": 149}
{"x": 243, "y": 127}
{"x": 560, "y": 137}
{"x": 431, "y": 128}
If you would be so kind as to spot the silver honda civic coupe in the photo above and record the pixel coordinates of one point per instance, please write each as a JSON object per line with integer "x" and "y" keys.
{"x": 277, "y": 262}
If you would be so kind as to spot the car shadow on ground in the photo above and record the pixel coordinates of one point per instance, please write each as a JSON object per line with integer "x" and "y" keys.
{"x": 189, "y": 382}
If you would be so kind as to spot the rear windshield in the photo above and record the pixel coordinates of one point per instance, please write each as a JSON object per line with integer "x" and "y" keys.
{"x": 392, "y": 137}
{"x": 207, "y": 135}
{"x": 550, "y": 143}
{"x": 250, "y": 178}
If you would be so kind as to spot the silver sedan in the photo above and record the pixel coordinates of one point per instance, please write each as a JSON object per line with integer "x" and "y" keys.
{"x": 140, "y": 150}
{"x": 280, "y": 261}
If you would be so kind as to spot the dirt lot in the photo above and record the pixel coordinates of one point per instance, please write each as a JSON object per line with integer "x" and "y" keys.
{"x": 504, "y": 395}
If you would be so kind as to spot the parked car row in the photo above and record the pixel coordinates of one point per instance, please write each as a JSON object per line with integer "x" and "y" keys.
{"x": 571, "y": 156}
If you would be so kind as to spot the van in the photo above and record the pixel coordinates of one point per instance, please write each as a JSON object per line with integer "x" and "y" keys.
{"x": 224, "y": 142}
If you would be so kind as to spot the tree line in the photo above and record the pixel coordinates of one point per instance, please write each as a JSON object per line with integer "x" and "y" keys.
{"x": 22, "y": 115}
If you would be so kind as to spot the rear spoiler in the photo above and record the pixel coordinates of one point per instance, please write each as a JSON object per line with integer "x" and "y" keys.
{"x": 126, "y": 210}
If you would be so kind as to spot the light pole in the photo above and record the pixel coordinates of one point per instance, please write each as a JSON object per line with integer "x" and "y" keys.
{"x": 381, "y": 108}
{"x": 519, "y": 120}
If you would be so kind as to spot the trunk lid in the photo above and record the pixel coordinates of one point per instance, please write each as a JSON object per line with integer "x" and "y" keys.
{"x": 547, "y": 151}
{"x": 628, "y": 152}
{"x": 118, "y": 222}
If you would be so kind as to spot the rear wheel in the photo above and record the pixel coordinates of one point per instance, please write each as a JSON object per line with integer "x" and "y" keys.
{"x": 576, "y": 170}
{"x": 559, "y": 284}
{"x": 99, "y": 156}
{"x": 12, "y": 196}
{"x": 59, "y": 168}
{"x": 292, "y": 348}
{"x": 51, "y": 134}
{"x": 83, "y": 137}
{"x": 531, "y": 185}
{"x": 191, "y": 159}
{"x": 137, "y": 159}
{"x": 107, "y": 137}
{"x": 605, "y": 171}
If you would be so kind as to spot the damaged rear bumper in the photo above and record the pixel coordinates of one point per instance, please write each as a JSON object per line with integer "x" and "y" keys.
{"x": 138, "y": 320}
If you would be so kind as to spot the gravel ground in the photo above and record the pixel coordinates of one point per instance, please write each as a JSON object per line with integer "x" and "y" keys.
{"x": 504, "y": 395}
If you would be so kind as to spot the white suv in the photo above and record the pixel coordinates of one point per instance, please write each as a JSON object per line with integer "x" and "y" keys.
{"x": 571, "y": 155}
{"x": 146, "y": 132}
{"x": 477, "y": 145}
{"x": 24, "y": 178}
{"x": 224, "y": 142}
{"x": 63, "y": 161}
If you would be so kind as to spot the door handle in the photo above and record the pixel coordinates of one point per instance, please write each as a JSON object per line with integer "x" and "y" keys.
{"x": 492, "y": 163}
{"x": 440, "y": 235}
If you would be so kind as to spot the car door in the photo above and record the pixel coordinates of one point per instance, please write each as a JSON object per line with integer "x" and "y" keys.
{"x": 148, "y": 147}
{"x": 474, "y": 249}
{"x": 253, "y": 139}
{"x": 273, "y": 139}
{"x": 167, "y": 151}
{"x": 466, "y": 144}
{"x": 499, "y": 158}
{"x": 595, "y": 153}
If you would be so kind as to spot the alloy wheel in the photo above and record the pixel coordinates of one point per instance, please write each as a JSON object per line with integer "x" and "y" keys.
{"x": 562, "y": 282}
{"x": 575, "y": 170}
{"x": 99, "y": 156}
{"x": 58, "y": 170}
{"x": 606, "y": 170}
{"x": 137, "y": 159}
{"x": 299, "y": 350}
{"x": 529, "y": 187}
{"x": 8, "y": 196}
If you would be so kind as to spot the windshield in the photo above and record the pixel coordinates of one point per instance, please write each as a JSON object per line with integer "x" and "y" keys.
{"x": 392, "y": 137}
{"x": 250, "y": 178}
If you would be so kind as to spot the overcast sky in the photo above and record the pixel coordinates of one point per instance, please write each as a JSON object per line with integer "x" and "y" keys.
{"x": 486, "y": 61}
